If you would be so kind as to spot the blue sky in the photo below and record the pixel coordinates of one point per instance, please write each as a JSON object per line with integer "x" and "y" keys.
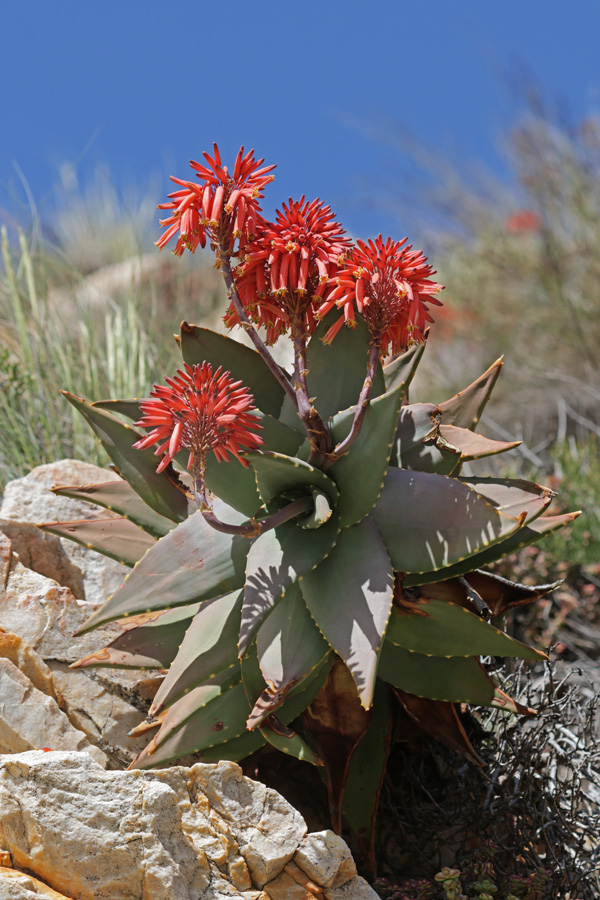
{"x": 145, "y": 86}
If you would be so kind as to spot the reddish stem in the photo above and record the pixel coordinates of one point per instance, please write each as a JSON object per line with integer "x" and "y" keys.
{"x": 250, "y": 330}
{"x": 363, "y": 401}
{"x": 317, "y": 431}
{"x": 254, "y": 527}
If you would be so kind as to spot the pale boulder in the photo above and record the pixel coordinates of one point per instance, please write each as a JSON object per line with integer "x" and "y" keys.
{"x": 199, "y": 833}
{"x": 37, "y": 620}
{"x": 19, "y": 886}
{"x": 29, "y": 499}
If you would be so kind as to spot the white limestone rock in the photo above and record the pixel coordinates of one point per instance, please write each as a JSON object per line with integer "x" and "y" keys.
{"x": 101, "y": 703}
{"x": 101, "y": 835}
{"x": 199, "y": 833}
{"x": 326, "y": 859}
{"x": 30, "y": 719}
{"x": 29, "y": 499}
{"x": 19, "y": 886}
{"x": 267, "y": 828}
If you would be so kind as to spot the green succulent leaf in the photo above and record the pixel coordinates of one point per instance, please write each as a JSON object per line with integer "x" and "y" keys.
{"x": 128, "y": 408}
{"x": 465, "y": 408}
{"x": 429, "y": 522}
{"x": 277, "y": 559}
{"x": 321, "y": 511}
{"x": 236, "y": 484}
{"x": 336, "y": 371}
{"x": 116, "y": 538}
{"x": 288, "y": 741}
{"x": 235, "y": 750}
{"x": 349, "y": 595}
{"x": 523, "y": 537}
{"x": 119, "y": 497}
{"x": 201, "y": 344}
{"x": 438, "y": 628}
{"x": 209, "y": 647}
{"x": 423, "y": 443}
{"x": 455, "y": 680}
{"x": 150, "y": 641}
{"x": 414, "y": 444}
{"x": 401, "y": 370}
{"x": 207, "y": 717}
{"x": 360, "y": 474}
{"x": 191, "y": 563}
{"x": 360, "y": 799}
{"x": 277, "y": 474}
{"x": 513, "y": 497}
{"x": 288, "y": 643}
{"x": 138, "y": 467}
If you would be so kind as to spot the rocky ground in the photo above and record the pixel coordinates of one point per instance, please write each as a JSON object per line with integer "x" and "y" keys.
{"x": 73, "y": 823}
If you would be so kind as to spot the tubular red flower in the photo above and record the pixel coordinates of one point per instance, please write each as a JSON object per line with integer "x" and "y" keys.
{"x": 222, "y": 202}
{"x": 285, "y": 271}
{"x": 389, "y": 284}
{"x": 203, "y": 411}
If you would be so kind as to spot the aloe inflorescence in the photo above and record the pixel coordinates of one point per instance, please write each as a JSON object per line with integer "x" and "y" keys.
{"x": 307, "y": 559}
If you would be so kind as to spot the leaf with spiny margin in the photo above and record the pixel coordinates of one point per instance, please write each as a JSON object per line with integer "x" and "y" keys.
{"x": 321, "y": 511}
{"x": 209, "y": 647}
{"x": 128, "y": 408}
{"x": 429, "y": 522}
{"x": 120, "y": 497}
{"x": 117, "y": 538}
{"x": 297, "y": 698}
{"x": 440, "y": 720}
{"x": 438, "y": 628}
{"x": 401, "y": 370}
{"x": 366, "y": 772}
{"x": 200, "y": 345}
{"x": 277, "y": 474}
{"x": 466, "y": 407}
{"x": 286, "y": 740}
{"x": 191, "y": 563}
{"x": 234, "y": 750}
{"x": 236, "y": 484}
{"x": 276, "y": 560}
{"x": 523, "y": 537}
{"x": 497, "y": 593}
{"x": 454, "y": 680}
{"x": 150, "y": 641}
{"x": 472, "y": 445}
{"x": 207, "y": 717}
{"x": 288, "y": 643}
{"x": 138, "y": 467}
{"x": 414, "y": 441}
{"x": 360, "y": 474}
{"x": 513, "y": 496}
{"x": 336, "y": 371}
{"x": 349, "y": 595}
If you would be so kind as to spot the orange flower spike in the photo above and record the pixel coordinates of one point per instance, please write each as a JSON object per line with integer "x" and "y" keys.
{"x": 201, "y": 410}
{"x": 390, "y": 285}
{"x": 218, "y": 192}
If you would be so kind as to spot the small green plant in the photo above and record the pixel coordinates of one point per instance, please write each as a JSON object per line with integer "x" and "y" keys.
{"x": 478, "y": 880}
{"x": 307, "y": 559}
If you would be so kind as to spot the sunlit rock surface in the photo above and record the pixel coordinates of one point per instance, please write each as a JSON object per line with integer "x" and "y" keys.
{"x": 200, "y": 833}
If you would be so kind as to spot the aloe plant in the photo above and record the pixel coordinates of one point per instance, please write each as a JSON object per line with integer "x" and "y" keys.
{"x": 307, "y": 560}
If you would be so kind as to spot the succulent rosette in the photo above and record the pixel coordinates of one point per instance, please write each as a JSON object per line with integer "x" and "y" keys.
{"x": 308, "y": 558}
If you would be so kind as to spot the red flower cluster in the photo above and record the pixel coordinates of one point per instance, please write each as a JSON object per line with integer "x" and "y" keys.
{"x": 287, "y": 268}
{"x": 201, "y": 410}
{"x": 221, "y": 201}
{"x": 389, "y": 285}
